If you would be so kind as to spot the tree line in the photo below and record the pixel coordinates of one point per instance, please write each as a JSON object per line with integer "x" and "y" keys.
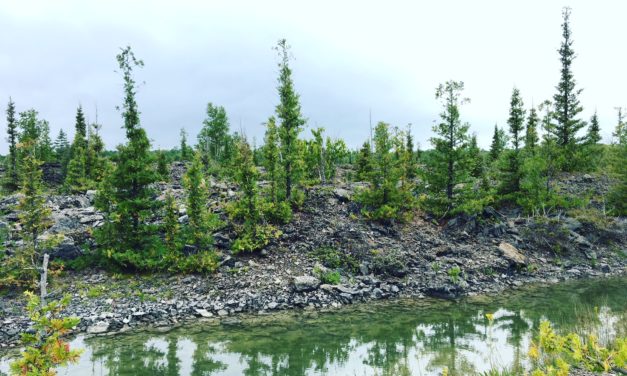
{"x": 454, "y": 176}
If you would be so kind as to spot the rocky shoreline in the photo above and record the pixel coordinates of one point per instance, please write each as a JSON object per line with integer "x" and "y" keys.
{"x": 469, "y": 255}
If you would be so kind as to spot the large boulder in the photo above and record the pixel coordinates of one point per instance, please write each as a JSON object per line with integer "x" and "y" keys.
{"x": 512, "y": 255}
{"x": 306, "y": 283}
{"x": 66, "y": 250}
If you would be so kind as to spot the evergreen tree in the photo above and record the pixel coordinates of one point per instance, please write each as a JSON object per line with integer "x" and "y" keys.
{"x": 291, "y": 120}
{"x": 594, "y": 130}
{"x": 95, "y": 161}
{"x": 566, "y": 101}
{"x": 499, "y": 140}
{"x": 411, "y": 163}
{"x": 46, "y": 152}
{"x": 511, "y": 171}
{"x": 201, "y": 222}
{"x": 213, "y": 137}
{"x": 277, "y": 209}
{"x": 363, "y": 161}
{"x": 24, "y": 268}
{"x": 477, "y": 165}
{"x": 11, "y": 181}
{"x": 271, "y": 156}
{"x": 61, "y": 147}
{"x": 76, "y": 177}
{"x": 185, "y": 149}
{"x": 254, "y": 234}
{"x": 447, "y": 171}
{"x": 593, "y": 152}
{"x": 620, "y": 133}
{"x": 531, "y": 134}
{"x": 385, "y": 199}
{"x": 162, "y": 165}
{"x": 127, "y": 235}
{"x": 171, "y": 225}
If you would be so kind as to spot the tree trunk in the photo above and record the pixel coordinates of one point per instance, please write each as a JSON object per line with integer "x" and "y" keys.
{"x": 43, "y": 282}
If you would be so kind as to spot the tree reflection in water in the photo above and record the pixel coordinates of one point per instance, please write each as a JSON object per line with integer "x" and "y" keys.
{"x": 394, "y": 338}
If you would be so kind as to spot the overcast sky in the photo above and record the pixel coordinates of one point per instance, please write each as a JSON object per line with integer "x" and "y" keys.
{"x": 350, "y": 57}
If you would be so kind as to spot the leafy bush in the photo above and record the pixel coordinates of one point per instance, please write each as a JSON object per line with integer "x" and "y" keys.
{"x": 333, "y": 258}
{"x": 45, "y": 348}
{"x": 454, "y": 274}
{"x": 553, "y": 354}
{"x": 255, "y": 237}
{"x": 331, "y": 277}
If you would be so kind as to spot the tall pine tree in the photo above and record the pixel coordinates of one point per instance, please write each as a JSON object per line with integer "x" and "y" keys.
{"x": 511, "y": 170}
{"x": 566, "y": 100}
{"x": 291, "y": 120}
{"x": 531, "y": 132}
{"x": 499, "y": 140}
{"x": 11, "y": 181}
{"x": 127, "y": 235}
{"x": 447, "y": 171}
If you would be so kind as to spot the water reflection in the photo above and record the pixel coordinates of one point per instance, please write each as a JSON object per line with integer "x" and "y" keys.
{"x": 409, "y": 337}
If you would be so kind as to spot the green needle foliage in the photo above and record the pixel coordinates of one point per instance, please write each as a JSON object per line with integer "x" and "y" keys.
{"x": 45, "y": 349}
{"x": 277, "y": 209}
{"x": 566, "y": 100}
{"x": 254, "y": 233}
{"x": 499, "y": 141}
{"x": 291, "y": 121}
{"x": 128, "y": 236}
{"x": 214, "y": 140}
{"x": 511, "y": 169}
{"x": 385, "y": 199}
{"x": 76, "y": 179}
{"x": 201, "y": 222}
{"x": 11, "y": 182}
{"x": 448, "y": 168}
{"x": 363, "y": 161}
{"x": 531, "y": 131}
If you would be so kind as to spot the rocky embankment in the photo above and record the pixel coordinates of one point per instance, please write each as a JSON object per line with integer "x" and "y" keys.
{"x": 468, "y": 255}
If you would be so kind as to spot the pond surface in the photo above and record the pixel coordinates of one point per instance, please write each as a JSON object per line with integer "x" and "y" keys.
{"x": 417, "y": 337}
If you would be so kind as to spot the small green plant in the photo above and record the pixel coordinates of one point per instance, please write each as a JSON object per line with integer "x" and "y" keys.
{"x": 489, "y": 271}
{"x": 45, "y": 349}
{"x": 435, "y": 266}
{"x": 95, "y": 292}
{"x": 454, "y": 274}
{"x": 532, "y": 268}
{"x": 553, "y": 354}
{"x": 331, "y": 277}
{"x": 335, "y": 259}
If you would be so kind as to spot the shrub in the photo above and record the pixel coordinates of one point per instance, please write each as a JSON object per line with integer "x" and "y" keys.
{"x": 45, "y": 348}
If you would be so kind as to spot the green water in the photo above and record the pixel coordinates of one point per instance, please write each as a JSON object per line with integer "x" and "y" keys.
{"x": 417, "y": 337}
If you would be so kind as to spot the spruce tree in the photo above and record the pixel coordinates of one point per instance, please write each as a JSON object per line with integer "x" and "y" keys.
{"x": 185, "y": 152}
{"x": 46, "y": 152}
{"x": 162, "y": 165}
{"x": 363, "y": 161}
{"x": 531, "y": 133}
{"x": 76, "y": 177}
{"x": 61, "y": 147}
{"x": 511, "y": 171}
{"x": 411, "y": 163}
{"x": 566, "y": 100}
{"x": 171, "y": 225}
{"x": 201, "y": 222}
{"x": 253, "y": 234}
{"x": 291, "y": 120}
{"x": 385, "y": 199}
{"x": 128, "y": 236}
{"x": 11, "y": 181}
{"x": 271, "y": 156}
{"x": 594, "y": 130}
{"x": 447, "y": 171}
{"x": 95, "y": 160}
{"x": 499, "y": 140}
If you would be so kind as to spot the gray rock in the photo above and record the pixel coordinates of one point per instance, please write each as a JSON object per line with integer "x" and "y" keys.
{"x": 273, "y": 305}
{"x": 342, "y": 194}
{"x": 203, "y": 312}
{"x": 512, "y": 255}
{"x": 305, "y": 283}
{"x": 99, "y": 327}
